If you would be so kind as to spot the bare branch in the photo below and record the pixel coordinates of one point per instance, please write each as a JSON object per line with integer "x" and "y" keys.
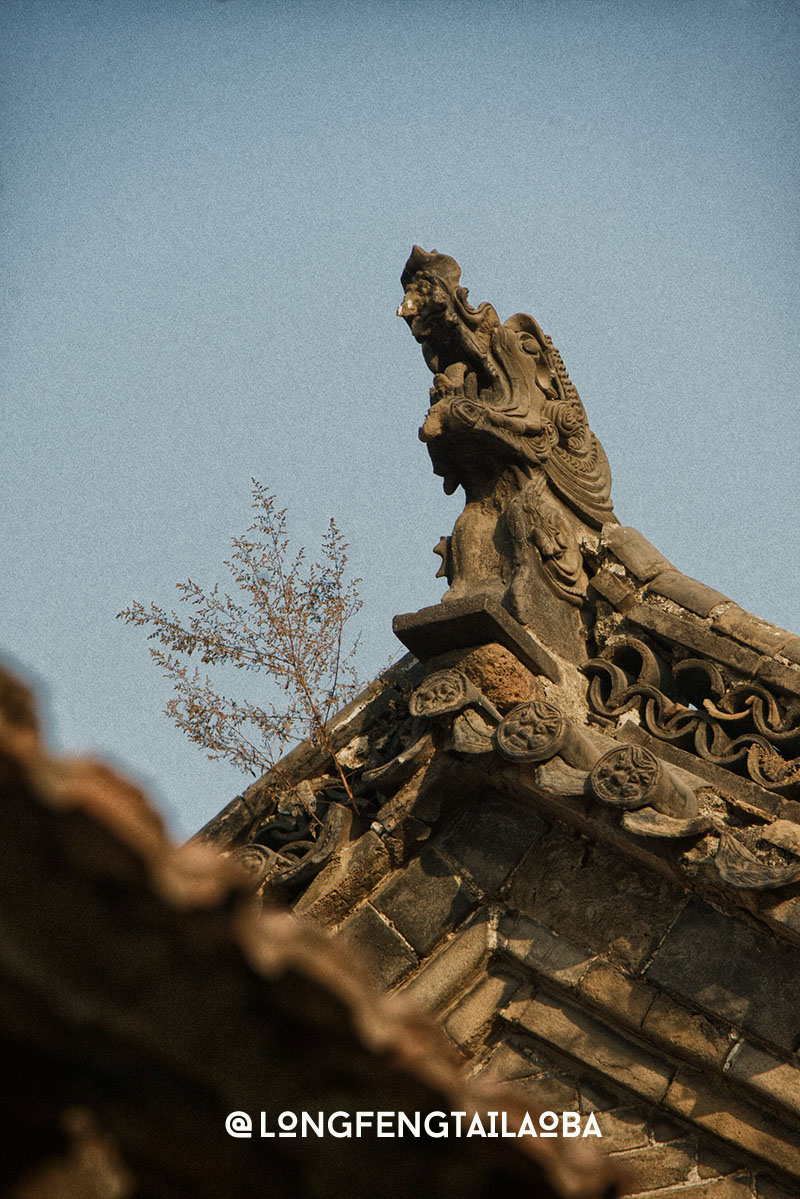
{"x": 288, "y": 622}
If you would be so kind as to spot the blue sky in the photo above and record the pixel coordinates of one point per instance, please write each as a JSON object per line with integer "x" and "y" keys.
{"x": 205, "y": 210}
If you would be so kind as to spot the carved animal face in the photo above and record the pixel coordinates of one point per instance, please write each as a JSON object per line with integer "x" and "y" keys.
{"x": 501, "y": 398}
{"x": 424, "y": 307}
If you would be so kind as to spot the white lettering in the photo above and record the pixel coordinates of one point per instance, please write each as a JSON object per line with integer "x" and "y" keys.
{"x": 238, "y": 1124}
{"x": 548, "y": 1123}
{"x": 384, "y": 1119}
{"x": 287, "y": 1122}
{"x": 308, "y": 1122}
{"x": 363, "y": 1120}
{"x": 526, "y": 1128}
{"x": 441, "y": 1127}
{"x": 411, "y": 1124}
{"x": 592, "y": 1129}
{"x": 346, "y": 1129}
{"x": 570, "y": 1124}
{"x": 476, "y": 1128}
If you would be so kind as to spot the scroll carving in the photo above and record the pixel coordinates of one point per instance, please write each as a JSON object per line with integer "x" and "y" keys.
{"x": 296, "y": 841}
{"x": 506, "y": 424}
{"x": 740, "y": 867}
{"x": 741, "y": 727}
{"x": 653, "y": 799}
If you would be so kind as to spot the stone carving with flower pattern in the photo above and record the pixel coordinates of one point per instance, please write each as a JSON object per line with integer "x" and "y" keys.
{"x": 653, "y": 799}
{"x": 632, "y": 777}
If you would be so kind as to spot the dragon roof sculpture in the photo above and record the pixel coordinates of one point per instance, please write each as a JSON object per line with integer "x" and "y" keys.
{"x": 507, "y": 424}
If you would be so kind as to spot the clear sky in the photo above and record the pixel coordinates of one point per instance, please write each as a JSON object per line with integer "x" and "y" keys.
{"x": 205, "y": 210}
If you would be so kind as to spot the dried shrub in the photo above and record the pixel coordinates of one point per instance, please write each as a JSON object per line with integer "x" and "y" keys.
{"x": 288, "y": 622}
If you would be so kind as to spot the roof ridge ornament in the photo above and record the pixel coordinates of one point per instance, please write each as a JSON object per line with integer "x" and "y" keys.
{"x": 507, "y": 424}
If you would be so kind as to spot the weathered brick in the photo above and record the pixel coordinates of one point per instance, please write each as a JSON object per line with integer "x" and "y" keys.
{"x": 623, "y": 1128}
{"x": 658, "y": 1165}
{"x": 784, "y": 912}
{"x": 609, "y": 989}
{"x": 688, "y": 592}
{"x": 424, "y": 901}
{"x": 790, "y": 810}
{"x": 767, "y": 1188}
{"x": 732, "y": 970}
{"x": 704, "y": 1101}
{"x": 486, "y": 841}
{"x": 634, "y": 551}
{"x": 611, "y": 906}
{"x": 517, "y": 1005}
{"x": 531, "y": 943}
{"x": 448, "y": 972}
{"x": 552, "y": 1092}
{"x": 791, "y": 649}
{"x": 578, "y": 1034}
{"x": 514, "y": 1059}
{"x": 695, "y": 635}
{"x": 599, "y": 1096}
{"x": 481, "y": 1004}
{"x": 783, "y": 833}
{"x": 720, "y": 1188}
{"x": 386, "y": 953}
{"x": 346, "y": 879}
{"x": 690, "y": 1034}
{"x": 750, "y": 630}
{"x": 618, "y": 591}
{"x": 775, "y": 674}
{"x": 665, "y": 1129}
{"x": 776, "y": 1081}
{"x": 713, "y": 1164}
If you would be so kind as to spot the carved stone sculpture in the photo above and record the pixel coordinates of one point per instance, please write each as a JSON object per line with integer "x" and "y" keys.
{"x": 632, "y": 777}
{"x": 507, "y": 425}
{"x": 741, "y": 726}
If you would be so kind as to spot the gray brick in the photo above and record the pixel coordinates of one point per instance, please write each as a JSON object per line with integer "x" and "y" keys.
{"x": 749, "y": 629}
{"x": 531, "y": 943}
{"x": 477, "y": 1009}
{"x": 729, "y": 968}
{"x": 767, "y": 1188}
{"x": 551, "y": 1092}
{"x": 720, "y": 1188}
{"x": 514, "y": 1059}
{"x": 424, "y": 901}
{"x": 634, "y": 551}
{"x": 486, "y": 840}
{"x": 610, "y": 905}
{"x": 608, "y": 988}
{"x": 345, "y": 880}
{"x": 688, "y": 1033}
{"x": 658, "y": 1165}
{"x": 616, "y": 590}
{"x": 687, "y": 592}
{"x": 706, "y": 1102}
{"x": 387, "y": 955}
{"x": 451, "y": 968}
{"x": 574, "y": 1032}
{"x": 622, "y": 1128}
{"x": 776, "y": 1081}
{"x": 713, "y": 1164}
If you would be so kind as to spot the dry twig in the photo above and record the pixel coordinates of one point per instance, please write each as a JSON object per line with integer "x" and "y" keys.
{"x": 288, "y": 622}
